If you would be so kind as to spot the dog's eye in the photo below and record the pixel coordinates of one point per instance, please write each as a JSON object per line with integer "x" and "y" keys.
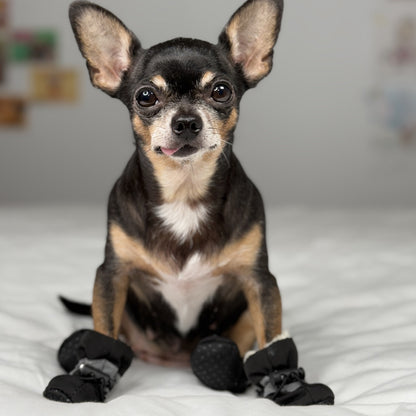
{"x": 221, "y": 93}
{"x": 146, "y": 98}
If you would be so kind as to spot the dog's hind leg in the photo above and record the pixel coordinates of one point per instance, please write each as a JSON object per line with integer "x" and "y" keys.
{"x": 242, "y": 333}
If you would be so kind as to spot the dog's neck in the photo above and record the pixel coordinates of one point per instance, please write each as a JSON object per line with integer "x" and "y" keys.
{"x": 183, "y": 182}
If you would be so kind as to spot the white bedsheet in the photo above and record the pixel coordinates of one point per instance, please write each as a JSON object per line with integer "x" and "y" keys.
{"x": 348, "y": 281}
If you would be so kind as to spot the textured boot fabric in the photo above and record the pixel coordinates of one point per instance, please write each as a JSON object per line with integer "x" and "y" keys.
{"x": 94, "y": 362}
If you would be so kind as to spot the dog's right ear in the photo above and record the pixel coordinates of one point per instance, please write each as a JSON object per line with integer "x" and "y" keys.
{"x": 250, "y": 36}
{"x": 105, "y": 42}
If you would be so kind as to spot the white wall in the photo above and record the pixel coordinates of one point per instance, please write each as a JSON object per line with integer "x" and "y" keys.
{"x": 304, "y": 134}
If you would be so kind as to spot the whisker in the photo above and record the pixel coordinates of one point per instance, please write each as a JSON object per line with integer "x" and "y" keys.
{"x": 213, "y": 130}
{"x": 226, "y": 158}
{"x": 226, "y": 142}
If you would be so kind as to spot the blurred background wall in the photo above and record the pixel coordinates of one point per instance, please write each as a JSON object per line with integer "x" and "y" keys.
{"x": 319, "y": 131}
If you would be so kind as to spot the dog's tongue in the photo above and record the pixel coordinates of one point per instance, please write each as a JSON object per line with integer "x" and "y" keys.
{"x": 169, "y": 152}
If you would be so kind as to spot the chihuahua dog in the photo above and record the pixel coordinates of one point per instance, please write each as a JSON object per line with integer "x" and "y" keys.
{"x": 185, "y": 277}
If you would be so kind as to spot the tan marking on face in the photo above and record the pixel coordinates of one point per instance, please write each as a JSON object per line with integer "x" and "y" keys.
{"x": 106, "y": 46}
{"x": 231, "y": 122}
{"x": 133, "y": 253}
{"x": 224, "y": 127}
{"x": 160, "y": 162}
{"x": 159, "y": 82}
{"x": 182, "y": 179}
{"x": 206, "y": 79}
{"x": 189, "y": 180}
{"x": 252, "y": 37}
{"x": 242, "y": 333}
{"x": 142, "y": 130}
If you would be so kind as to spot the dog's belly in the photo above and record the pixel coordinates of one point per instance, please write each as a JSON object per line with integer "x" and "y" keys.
{"x": 147, "y": 347}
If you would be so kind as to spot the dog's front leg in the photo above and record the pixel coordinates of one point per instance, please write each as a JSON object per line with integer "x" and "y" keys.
{"x": 109, "y": 299}
{"x": 95, "y": 359}
{"x": 265, "y": 306}
{"x": 274, "y": 366}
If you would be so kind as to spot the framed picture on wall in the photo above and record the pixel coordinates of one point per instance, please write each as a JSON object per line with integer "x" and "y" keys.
{"x": 54, "y": 84}
{"x": 4, "y": 23}
{"x": 4, "y": 16}
{"x": 393, "y": 96}
{"x": 12, "y": 111}
{"x": 3, "y": 57}
{"x": 33, "y": 46}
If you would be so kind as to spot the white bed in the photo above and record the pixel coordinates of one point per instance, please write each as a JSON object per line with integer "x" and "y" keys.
{"x": 348, "y": 281}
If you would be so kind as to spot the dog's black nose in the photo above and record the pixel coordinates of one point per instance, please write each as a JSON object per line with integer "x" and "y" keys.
{"x": 187, "y": 127}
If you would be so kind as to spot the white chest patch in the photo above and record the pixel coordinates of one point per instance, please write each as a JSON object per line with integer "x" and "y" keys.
{"x": 187, "y": 291}
{"x": 182, "y": 219}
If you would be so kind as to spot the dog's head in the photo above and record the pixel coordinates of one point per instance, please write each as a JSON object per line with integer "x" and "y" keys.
{"x": 183, "y": 95}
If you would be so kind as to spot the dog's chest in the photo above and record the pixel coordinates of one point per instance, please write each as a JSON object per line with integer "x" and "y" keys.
{"x": 182, "y": 219}
{"x": 188, "y": 290}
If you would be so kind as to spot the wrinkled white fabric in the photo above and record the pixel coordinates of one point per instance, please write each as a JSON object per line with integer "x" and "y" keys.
{"x": 348, "y": 281}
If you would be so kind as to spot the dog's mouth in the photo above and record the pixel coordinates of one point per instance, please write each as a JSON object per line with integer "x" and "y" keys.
{"x": 183, "y": 151}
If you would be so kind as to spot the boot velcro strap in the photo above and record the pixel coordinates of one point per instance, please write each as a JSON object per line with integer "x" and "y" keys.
{"x": 94, "y": 345}
{"x": 279, "y": 356}
{"x": 101, "y": 369}
{"x": 284, "y": 381}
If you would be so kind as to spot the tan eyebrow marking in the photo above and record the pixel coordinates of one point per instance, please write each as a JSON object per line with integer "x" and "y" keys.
{"x": 160, "y": 82}
{"x": 206, "y": 79}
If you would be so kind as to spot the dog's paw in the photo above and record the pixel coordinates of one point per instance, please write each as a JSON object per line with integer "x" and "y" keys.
{"x": 217, "y": 363}
{"x": 75, "y": 389}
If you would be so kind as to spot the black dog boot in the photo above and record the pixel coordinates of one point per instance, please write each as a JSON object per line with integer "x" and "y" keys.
{"x": 275, "y": 371}
{"x": 217, "y": 363}
{"x": 94, "y": 362}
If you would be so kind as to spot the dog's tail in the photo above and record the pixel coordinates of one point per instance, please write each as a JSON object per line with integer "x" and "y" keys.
{"x": 76, "y": 307}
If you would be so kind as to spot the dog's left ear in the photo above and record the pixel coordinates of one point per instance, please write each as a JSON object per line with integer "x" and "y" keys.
{"x": 105, "y": 42}
{"x": 250, "y": 35}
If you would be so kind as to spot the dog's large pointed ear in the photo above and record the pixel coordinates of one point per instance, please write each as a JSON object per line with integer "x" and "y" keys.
{"x": 105, "y": 42}
{"x": 250, "y": 35}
